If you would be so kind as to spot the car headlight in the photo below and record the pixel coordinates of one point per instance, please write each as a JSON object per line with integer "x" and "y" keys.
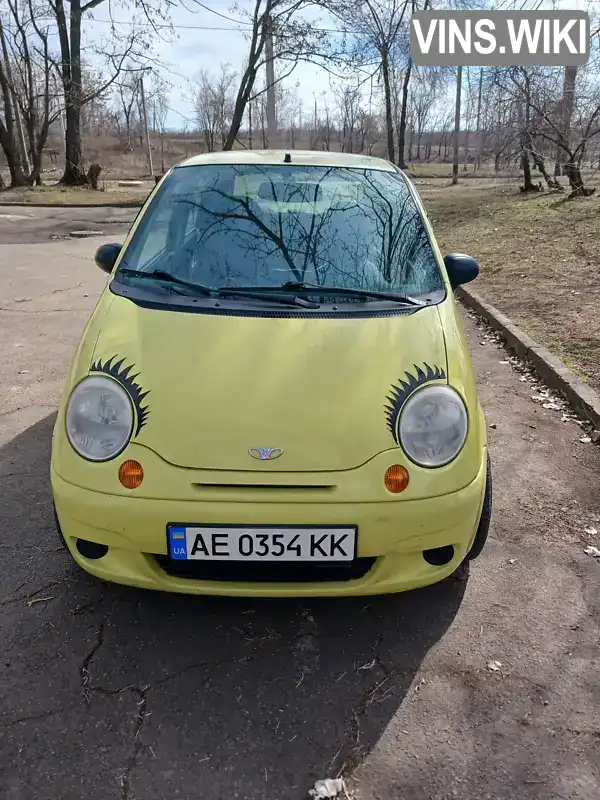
{"x": 433, "y": 426}
{"x": 99, "y": 418}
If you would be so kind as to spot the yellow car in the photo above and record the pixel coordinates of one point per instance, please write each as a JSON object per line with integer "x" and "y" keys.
{"x": 273, "y": 395}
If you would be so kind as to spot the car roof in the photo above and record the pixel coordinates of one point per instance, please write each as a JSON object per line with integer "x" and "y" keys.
{"x": 317, "y": 158}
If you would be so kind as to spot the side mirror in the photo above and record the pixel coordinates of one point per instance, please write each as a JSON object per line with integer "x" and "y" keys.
{"x": 106, "y": 256}
{"x": 461, "y": 269}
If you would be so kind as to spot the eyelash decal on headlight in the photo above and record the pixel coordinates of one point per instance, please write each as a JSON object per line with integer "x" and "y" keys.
{"x": 127, "y": 381}
{"x": 401, "y": 392}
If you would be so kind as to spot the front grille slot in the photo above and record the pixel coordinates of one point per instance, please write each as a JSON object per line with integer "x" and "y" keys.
{"x": 266, "y": 487}
{"x": 266, "y": 572}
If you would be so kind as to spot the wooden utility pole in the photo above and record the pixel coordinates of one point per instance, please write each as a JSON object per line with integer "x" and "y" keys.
{"x": 456, "y": 126}
{"x": 270, "y": 70}
{"x": 146, "y": 132}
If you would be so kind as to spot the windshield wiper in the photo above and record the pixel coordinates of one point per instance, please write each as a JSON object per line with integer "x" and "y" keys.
{"x": 396, "y": 297}
{"x": 284, "y": 299}
{"x": 161, "y": 275}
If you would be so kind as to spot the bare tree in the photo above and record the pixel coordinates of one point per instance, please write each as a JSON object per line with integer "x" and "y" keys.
{"x": 425, "y": 90}
{"x": 159, "y": 100}
{"x": 213, "y": 99}
{"x": 380, "y": 29}
{"x": 347, "y": 99}
{"x": 8, "y": 136}
{"x": 540, "y": 101}
{"x": 294, "y": 40}
{"x": 127, "y": 91}
{"x": 121, "y": 50}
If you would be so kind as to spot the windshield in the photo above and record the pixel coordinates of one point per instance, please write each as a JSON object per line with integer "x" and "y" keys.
{"x": 262, "y": 226}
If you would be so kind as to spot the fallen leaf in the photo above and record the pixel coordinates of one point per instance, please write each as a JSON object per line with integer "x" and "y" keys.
{"x": 592, "y": 551}
{"x": 328, "y": 788}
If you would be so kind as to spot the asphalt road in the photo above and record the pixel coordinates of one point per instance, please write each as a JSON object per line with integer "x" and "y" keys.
{"x": 107, "y": 692}
{"x": 27, "y": 224}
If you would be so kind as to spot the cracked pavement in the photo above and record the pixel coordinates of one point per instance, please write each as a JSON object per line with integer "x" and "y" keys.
{"x": 108, "y": 692}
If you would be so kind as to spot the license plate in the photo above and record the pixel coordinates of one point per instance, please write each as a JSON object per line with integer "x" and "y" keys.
{"x": 210, "y": 543}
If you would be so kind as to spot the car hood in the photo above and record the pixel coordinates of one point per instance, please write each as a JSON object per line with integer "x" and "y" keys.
{"x": 208, "y": 389}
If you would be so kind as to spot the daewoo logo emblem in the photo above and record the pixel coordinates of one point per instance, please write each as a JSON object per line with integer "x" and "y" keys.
{"x": 265, "y": 453}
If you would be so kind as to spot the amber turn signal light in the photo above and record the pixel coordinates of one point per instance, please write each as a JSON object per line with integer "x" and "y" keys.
{"x": 396, "y": 478}
{"x": 131, "y": 474}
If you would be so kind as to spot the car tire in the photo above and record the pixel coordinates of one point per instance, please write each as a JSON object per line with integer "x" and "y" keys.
{"x": 58, "y": 529}
{"x": 485, "y": 519}
{"x": 461, "y": 573}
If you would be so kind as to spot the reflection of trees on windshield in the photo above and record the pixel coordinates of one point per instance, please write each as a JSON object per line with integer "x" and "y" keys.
{"x": 253, "y": 225}
{"x": 303, "y": 238}
{"x": 399, "y": 248}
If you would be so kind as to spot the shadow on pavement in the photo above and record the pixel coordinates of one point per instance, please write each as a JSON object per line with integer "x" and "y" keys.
{"x": 113, "y": 692}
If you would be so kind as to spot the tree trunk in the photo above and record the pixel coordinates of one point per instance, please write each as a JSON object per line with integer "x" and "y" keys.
{"x": 479, "y": 145}
{"x": 74, "y": 174}
{"x": 578, "y": 188}
{"x": 528, "y": 185}
{"x": 389, "y": 118}
{"x": 566, "y": 112}
{"x": 456, "y": 126}
{"x": 8, "y": 139}
{"x": 243, "y": 97}
{"x": 403, "y": 114}
{"x": 537, "y": 159}
{"x": 250, "y": 125}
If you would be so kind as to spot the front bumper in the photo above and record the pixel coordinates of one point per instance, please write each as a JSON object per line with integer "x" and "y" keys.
{"x": 395, "y": 534}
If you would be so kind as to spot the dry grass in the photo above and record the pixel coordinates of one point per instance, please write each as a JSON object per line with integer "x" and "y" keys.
{"x": 53, "y": 195}
{"x": 540, "y": 261}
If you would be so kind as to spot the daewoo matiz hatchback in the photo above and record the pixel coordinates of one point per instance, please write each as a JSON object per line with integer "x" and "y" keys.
{"x": 273, "y": 395}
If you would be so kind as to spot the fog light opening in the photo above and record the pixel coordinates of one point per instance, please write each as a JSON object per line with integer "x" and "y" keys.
{"x": 91, "y": 550}
{"x": 131, "y": 474}
{"x": 439, "y": 556}
{"x": 396, "y": 478}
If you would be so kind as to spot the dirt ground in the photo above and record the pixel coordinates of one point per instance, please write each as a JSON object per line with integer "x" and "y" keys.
{"x": 539, "y": 256}
{"x": 108, "y": 692}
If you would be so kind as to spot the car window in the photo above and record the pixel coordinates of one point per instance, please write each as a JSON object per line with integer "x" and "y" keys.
{"x": 253, "y": 225}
